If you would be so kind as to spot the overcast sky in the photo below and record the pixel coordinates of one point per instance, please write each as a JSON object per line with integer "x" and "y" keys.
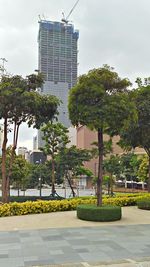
{"x": 115, "y": 32}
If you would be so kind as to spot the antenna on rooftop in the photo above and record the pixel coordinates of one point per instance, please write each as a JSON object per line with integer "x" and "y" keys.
{"x": 65, "y": 19}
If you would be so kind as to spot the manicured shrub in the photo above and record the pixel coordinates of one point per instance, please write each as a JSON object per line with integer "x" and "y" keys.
{"x": 40, "y": 206}
{"x": 32, "y": 198}
{"x": 100, "y": 214}
{"x": 144, "y": 204}
{"x": 35, "y": 198}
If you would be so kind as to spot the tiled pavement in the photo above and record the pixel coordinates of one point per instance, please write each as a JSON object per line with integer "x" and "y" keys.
{"x": 92, "y": 245}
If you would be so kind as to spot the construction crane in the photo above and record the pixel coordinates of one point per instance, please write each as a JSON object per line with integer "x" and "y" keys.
{"x": 65, "y": 20}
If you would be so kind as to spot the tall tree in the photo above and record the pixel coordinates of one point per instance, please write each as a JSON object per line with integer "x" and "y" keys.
{"x": 100, "y": 101}
{"x": 56, "y": 138}
{"x": 137, "y": 134}
{"x": 20, "y": 173}
{"x": 19, "y": 102}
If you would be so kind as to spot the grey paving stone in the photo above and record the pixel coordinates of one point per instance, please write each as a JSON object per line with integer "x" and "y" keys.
{"x": 74, "y": 245}
{"x": 11, "y": 262}
{"x": 56, "y": 252}
{"x": 52, "y": 238}
{"x": 98, "y": 256}
{"x": 5, "y": 256}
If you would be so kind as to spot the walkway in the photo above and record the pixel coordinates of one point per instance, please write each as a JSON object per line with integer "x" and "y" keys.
{"x": 60, "y": 238}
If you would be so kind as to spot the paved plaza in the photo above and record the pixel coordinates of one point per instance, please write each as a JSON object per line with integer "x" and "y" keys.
{"x": 122, "y": 244}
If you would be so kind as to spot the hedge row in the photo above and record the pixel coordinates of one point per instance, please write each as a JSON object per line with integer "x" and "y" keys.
{"x": 99, "y": 214}
{"x": 144, "y": 203}
{"x": 35, "y": 198}
{"x": 63, "y": 205}
{"x": 31, "y": 198}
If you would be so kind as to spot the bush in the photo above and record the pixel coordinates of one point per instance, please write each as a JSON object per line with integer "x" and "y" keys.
{"x": 144, "y": 204}
{"x": 33, "y": 198}
{"x": 40, "y": 206}
{"x": 98, "y": 214}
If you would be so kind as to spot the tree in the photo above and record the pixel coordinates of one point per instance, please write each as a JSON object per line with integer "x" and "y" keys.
{"x": 56, "y": 138}
{"x": 39, "y": 171}
{"x": 71, "y": 160}
{"x": 137, "y": 134}
{"x": 20, "y": 173}
{"x": 143, "y": 169}
{"x": 19, "y": 102}
{"x": 129, "y": 163}
{"x": 109, "y": 181}
{"x": 111, "y": 167}
{"x": 20, "y": 170}
{"x": 100, "y": 101}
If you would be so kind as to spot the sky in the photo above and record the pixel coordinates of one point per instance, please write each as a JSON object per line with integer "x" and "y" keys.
{"x": 113, "y": 32}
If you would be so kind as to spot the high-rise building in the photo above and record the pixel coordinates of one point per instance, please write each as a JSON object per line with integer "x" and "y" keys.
{"x": 58, "y": 49}
{"x": 35, "y": 145}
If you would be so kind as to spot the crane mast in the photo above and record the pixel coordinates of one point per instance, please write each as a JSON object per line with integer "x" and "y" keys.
{"x": 65, "y": 20}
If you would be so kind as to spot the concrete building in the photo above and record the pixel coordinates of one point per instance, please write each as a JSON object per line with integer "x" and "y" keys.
{"x": 22, "y": 151}
{"x": 86, "y": 137}
{"x": 37, "y": 157}
{"x": 57, "y": 60}
{"x": 72, "y": 134}
{"x": 35, "y": 143}
{"x": 27, "y": 155}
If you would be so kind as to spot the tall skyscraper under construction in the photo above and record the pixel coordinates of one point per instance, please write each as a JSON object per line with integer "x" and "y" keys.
{"x": 58, "y": 49}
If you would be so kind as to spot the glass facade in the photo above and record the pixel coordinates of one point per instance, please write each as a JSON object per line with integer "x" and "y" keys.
{"x": 58, "y": 52}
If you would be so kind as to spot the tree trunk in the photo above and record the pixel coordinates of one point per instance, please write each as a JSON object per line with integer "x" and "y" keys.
{"x": 18, "y": 190}
{"x": 5, "y": 193}
{"x": 108, "y": 188}
{"x": 71, "y": 187}
{"x": 100, "y": 167}
{"x": 15, "y": 139}
{"x": 53, "y": 177}
{"x": 111, "y": 185}
{"x": 148, "y": 184}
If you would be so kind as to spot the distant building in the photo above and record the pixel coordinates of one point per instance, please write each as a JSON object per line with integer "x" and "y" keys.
{"x": 37, "y": 157}
{"x": 35, "y": 143}
{"x": 27, "y": 155}
{"x": 72, "y": 136}
{"x": 22, "y": 151}
{"x": 40, "y": 141}
{"x": 57, "y": 60}
{"x": 85, "y": 138}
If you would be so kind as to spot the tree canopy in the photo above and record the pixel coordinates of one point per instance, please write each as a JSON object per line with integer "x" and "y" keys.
{"x": 100, "y": 101}
{"x": 56, "y": 138}
{"x": 71, "y": 160}
{"x": 137, "y": 134}
{"x": 20, "y": 102}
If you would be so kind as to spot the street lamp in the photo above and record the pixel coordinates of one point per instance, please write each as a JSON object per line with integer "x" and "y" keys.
{"x": 40, "y": 186}
{"x": 40, "y": 178}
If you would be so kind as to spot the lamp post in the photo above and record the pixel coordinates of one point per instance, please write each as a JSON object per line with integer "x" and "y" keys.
{"x": 40, "y": 186}
{"x": 40, "y": 178}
